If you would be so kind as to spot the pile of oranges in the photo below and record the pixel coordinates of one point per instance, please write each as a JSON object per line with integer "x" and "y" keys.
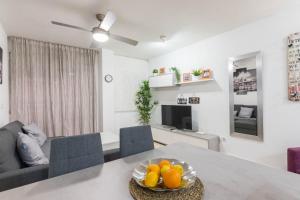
{"x": 171, "y": 174}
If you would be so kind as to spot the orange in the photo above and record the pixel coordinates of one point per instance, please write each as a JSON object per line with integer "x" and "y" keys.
{"x": 164, "y": 169}
{"x": 178, "y": 168}
{"x": 172, "y": 179}
{"x": 164, "y": 162}
{"x": 151, "y": 179}
{"x": 153, "y": 168}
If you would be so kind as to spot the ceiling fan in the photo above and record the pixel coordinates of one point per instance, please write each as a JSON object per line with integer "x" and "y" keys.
{"x": 101, "y": 32}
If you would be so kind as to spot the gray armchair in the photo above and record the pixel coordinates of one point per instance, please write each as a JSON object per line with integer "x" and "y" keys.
{"x": 135, "y": 140}
{"x": 74, "y": 153}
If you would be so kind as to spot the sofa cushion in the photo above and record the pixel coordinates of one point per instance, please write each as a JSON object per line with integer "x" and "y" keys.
{"x": 14, "y": 127}
{"x": 24, "y": 176}
{"x": 30, "y": 151}
{"x": 9, "y": 158}
{"x": 246, "y": 112}
{"x": 46, "y": 148}
{"x": 36, "y": 133}
{"x": 245, "y": 123}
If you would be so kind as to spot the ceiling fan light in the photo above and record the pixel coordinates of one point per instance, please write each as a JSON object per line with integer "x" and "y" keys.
{"x": 100, "y": 37}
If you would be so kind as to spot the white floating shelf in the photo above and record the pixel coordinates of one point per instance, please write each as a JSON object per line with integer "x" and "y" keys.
{"x": 194, "y": 82}
{"x": 169, "y": 80}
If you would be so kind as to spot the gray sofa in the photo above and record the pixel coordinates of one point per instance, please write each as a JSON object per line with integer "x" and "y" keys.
{"x": 13, "y": 172}
{"x": 246, "y": 125}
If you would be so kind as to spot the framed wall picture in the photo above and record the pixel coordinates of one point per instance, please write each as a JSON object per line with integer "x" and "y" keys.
{"x": 294, "y": 67}
{"x": 186, "y": 77}
{"x": 244, "y": 79}
{"x": 1, "y": 65}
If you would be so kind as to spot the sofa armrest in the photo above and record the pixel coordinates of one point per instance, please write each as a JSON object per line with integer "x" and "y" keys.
{"x": 20, "y": 177}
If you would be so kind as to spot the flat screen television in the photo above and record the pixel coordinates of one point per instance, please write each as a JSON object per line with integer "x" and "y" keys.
{"x": 176, "y": 116}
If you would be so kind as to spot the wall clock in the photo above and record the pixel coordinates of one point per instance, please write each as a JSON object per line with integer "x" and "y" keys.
{"x": 108, "y": 78}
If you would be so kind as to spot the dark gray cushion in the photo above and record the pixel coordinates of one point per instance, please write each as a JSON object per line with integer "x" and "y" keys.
{"x": 9, "y": 158}
{"x": 73, "y": 153}
{"x": 135, "y": 140}
{"x": 15, "y": 127}
{"x": 20, "y": 177}
{"x": 245, "y": 123}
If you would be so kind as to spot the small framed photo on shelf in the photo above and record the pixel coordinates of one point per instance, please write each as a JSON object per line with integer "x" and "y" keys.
{"x": 162, "y": 70}
{"x": 186, "y": 77}
{"x": 207, "y": 74}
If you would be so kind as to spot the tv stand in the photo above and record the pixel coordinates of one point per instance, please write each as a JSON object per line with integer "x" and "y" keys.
{"x": 164, "y": 135}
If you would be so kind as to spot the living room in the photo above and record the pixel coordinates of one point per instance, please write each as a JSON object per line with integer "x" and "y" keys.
{"x": 227, "y": 71}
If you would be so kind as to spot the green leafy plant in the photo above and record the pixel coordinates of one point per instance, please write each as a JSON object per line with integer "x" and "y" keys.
{"x": 197, "y": 72}
{"x": 144, "y": 103}
{"x": 177, "y": 73}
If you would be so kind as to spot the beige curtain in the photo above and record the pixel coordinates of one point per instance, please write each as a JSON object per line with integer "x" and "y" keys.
{"x": 54, "y": 86}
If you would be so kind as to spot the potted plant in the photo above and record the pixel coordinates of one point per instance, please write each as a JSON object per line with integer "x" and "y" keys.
{"x": 144, "y": 103}
{"x": 177, "y": 73}
{"x": 155, "y": 72}
{"x": 196, "y": 74}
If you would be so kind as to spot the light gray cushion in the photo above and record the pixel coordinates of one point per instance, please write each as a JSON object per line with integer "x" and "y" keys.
{"x": 30, "y": 151}
{"x": 46, "y": 148}
{"x": 36, "y": 133}
{"x": 9, "y": 158}
{"x": 246, "y": 112}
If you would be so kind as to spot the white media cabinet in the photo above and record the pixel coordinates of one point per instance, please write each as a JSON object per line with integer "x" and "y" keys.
{"x": 165, "y": 136}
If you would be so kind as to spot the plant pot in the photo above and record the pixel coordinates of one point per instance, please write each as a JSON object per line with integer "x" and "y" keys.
{"x": 155, "y": 74}
{"x": 195, "y": 78}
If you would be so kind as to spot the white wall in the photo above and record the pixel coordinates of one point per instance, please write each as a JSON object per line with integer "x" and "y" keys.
{"x": 4, "y": 95}
{"x": 118, "y": 96}
{"x": 281, "y": 117}
{"x": 129, "y": 73}
{"x": 107, "y": 67}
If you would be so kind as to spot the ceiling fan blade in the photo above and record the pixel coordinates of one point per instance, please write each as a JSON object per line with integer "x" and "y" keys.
{"x": 124, "y": 39}
{"x": 108, "y": 20}
{"x": 69, "y": 26}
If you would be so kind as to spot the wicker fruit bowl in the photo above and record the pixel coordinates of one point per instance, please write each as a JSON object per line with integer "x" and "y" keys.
{"x": 164, "y": 174}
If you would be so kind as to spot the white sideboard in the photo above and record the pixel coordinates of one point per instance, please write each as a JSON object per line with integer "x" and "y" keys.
{"x": 165, "y": 136}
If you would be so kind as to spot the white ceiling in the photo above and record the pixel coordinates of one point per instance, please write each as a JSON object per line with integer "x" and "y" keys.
{"x": 182, "y": 21}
